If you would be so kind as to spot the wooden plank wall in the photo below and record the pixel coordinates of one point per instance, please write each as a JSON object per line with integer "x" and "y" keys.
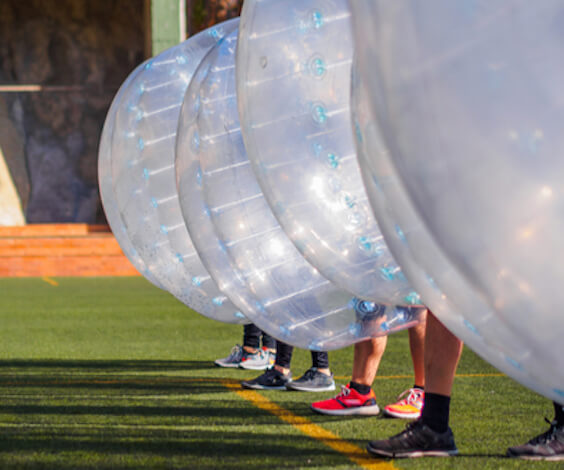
{"x": 61, "y": 250}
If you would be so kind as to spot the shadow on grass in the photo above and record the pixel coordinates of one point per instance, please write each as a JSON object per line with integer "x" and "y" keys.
{"x": 229, "y": 412}
{"x": 189, "y": 449}
{"x": 127, "y": 384}
{"x": 108, "y": 365}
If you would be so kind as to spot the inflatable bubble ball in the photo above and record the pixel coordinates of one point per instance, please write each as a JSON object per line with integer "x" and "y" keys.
{"x": 466, "y": 102}
{"x": 293, "y": 88}
{"x": 237, "y": 236}
{"x": 142, "y": 149}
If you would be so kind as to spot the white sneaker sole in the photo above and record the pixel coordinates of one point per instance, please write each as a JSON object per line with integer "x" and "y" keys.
{"x": 401, "y": 415}
{"x": 245, "y": 366}
{"x": 305, "y": 388}
{"x": 372, "y": 410}
{"x": 262, "y": 387}
{"x": 226, "y": 364}
{"x": 413, "y": 454}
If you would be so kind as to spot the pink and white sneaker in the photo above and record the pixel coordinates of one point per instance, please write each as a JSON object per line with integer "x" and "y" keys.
{"x": 409, "y": 407}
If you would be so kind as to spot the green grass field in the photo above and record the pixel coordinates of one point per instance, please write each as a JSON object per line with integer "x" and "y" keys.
{"x": 114, "y": 373}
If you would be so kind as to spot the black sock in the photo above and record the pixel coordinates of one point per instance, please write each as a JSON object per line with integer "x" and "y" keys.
{"x": 435, "y": 413}
{"x": 419, "y": 387}
{"x": 559, "y": 414}
{"x": 362, "y": 389}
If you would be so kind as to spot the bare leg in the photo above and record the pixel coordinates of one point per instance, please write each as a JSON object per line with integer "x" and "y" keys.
{"x": 442, "y": 352}
{"x": 417, "y": 348}
{"x": 367, "y": 356}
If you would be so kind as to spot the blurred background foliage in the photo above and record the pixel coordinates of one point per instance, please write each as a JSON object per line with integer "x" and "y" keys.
{"x": 202, "y": 14}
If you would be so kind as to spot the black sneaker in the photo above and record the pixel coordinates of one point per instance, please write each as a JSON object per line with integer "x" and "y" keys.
{"x": 270, "y": 380}
{"x": 312, "y": 381}
{"x": 417, "y": 440}
{"x": 547, "y": 446}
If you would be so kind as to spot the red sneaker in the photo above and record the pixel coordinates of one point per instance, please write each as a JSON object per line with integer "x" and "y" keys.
{"x": 348, "y": 402}
{"x": 409, "y": 407}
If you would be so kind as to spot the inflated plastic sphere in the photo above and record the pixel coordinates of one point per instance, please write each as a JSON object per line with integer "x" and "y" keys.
{"x": 107, "y": 194}
{"x": 143, "y": 178}
{"x": 293, "y": 87}
{"x": 484, "y": 332}
{"x": 237, "y": 236}
{"x": 468, "y": 102}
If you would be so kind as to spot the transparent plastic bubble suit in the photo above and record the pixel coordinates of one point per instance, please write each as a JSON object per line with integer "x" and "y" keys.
{"x": 106, "y": 186}
{"x": 466, "y": 186}
{"x": 293, "y": 86}
{"x": 239, "y": 239}
{"x": 144, "y": 183}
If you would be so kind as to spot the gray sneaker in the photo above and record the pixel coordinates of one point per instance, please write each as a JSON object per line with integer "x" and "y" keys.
{"x": 270, "y": 380}
{"x": 547, "y": 446}
{"x": 233, "y": 359}
{"x": 261, "y": 360}
{"x": 312, "y": 381}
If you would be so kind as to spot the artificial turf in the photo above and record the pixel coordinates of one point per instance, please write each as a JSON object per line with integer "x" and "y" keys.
{"x": 115, "y": 373}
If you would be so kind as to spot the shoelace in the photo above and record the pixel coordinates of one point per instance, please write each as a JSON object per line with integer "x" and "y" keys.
{"x": 414, "y": 394}
{"x": 259, "y": 353}
{"x": 273, "y": 373}
{"x": 235, "y": 351}
{"x": 344, "y": 391}
{"x": 310, "y": 373}
{"x": 409, "y": 431}
{"x": 547, "y": 436}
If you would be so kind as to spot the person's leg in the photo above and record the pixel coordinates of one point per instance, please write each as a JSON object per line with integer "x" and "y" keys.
{"x": 417, "y": 349}
{"x": 430, "y": 435}
{"x": 283, "y": 357}
{"x": 268, "y": 342}
{"x": 358, "y": 398}
{"x": 558, "y": 413}
{"x": 251, "y": 338}
{"x": 546, "y": 446}
{"x": 320, "y": 360}
{"x": 442, "y": 353}
{"x": 254, "y": 357}
{"x": 410, "y": 402}
{"x": 366, "y": 360}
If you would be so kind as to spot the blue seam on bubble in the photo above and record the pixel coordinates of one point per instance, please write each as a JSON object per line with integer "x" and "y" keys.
{"x": 400, "y": 234}
{"x": 514, "y": 363}
{"x": 355, "y": 329}
{"x": 471, "y": 327}
{"x": 413, "y": 298}
{"x": 317, "y": 18}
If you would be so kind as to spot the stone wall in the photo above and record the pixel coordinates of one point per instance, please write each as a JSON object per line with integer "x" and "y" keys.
{"x": 202, "y": 14}
{"x": 88, "y": 47}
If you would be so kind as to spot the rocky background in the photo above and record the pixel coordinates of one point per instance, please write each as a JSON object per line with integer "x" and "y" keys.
{"x": 50, "y": 138}
{"x": 202, "y": 14}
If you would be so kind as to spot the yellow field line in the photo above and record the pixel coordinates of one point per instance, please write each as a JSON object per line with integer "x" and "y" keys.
{"x": 353, "y": 452}
{"x": 48, "y": 280}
